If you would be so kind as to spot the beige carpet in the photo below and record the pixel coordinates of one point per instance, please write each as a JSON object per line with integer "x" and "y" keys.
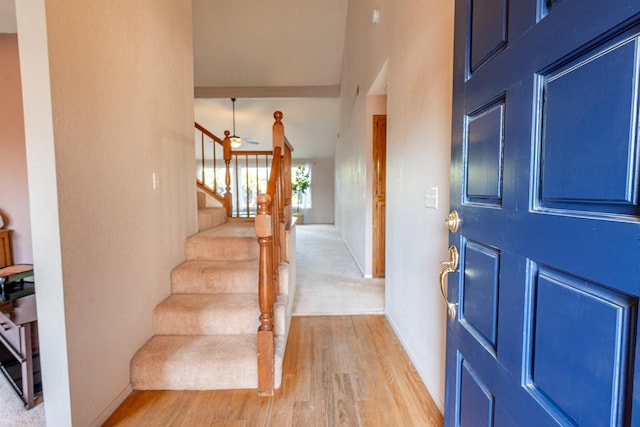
{"x": 329, "y": 280}
{"x": 12, "y": 412}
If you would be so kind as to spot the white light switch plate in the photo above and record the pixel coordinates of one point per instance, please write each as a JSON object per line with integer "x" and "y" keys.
{"x": 431, "y": 198}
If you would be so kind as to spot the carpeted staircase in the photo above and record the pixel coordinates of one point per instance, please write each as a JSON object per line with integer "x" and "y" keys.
{"x": 211, "y": 213}
{"x": 205, "y": 332}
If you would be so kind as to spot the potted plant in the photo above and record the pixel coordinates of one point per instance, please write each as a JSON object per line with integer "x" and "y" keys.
{"x": 299, "y": 187}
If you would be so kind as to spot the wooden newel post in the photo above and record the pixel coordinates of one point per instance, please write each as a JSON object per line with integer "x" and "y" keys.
{"x": 280, "y": 191}
{"x": 226, "y": 147}
{"x": 264, "y": 233}
{"x": 278, "y": 131}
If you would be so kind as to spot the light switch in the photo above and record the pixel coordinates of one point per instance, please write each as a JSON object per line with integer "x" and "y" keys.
{"x": 156, "y": 181}
{"x": 431, "y": 198}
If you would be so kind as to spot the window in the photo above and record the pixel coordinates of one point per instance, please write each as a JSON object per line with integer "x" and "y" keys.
{"x": 301, "y": 186}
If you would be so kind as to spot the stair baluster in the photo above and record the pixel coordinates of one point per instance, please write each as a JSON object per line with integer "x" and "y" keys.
{"x": 227, "y": 175}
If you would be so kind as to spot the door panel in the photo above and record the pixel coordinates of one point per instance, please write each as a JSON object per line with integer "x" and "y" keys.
{"x": 488, "y": 31}
{"x": 484, "y": 153}
{"x": 545, "y": 176}
{"x": 581, "y": 351}
{"x": 479, "y": 309}
{"x": 578, "y": 130}
{"x": 478, "y": 402}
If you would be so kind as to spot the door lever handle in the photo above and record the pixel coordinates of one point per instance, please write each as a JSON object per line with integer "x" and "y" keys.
{"x": 450, "y": 266}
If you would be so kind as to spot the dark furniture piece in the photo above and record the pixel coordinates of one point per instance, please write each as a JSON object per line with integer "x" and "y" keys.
{"x": 19, "y": 353}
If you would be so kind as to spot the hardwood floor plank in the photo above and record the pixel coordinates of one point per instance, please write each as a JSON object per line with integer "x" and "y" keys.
{"x": 135, "y": 406}
{"x": 302, "y": 414}
{"x": 338, "y": 371}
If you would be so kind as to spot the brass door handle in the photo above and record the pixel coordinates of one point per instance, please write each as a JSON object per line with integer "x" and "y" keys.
{"x": 449, "y": 267}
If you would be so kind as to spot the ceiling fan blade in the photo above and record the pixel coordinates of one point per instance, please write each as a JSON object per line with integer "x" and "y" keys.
{"x": 251, "y": 141}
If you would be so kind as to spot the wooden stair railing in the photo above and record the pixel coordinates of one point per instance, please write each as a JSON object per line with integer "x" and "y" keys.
{"x": 272, "y": 223}
{"x": 245, "y": 173}
{"x": 210, "y": 161}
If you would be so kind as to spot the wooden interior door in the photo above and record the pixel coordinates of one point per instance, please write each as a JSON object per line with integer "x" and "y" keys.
{"x": 545, "y": 178}
{"x": 379, "y": 192}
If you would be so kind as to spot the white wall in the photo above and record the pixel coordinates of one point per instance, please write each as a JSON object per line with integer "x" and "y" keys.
{"x": 364, "y": 55}
{"x": 417, "y": 38}
{"x": 14, "y": 192}
{"x": 322, "y": 183}
{"x": 418, "y": 158}
{"x": 108, "y": 96}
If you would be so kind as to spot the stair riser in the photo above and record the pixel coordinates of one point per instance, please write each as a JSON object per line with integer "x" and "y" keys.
{"x": 221, "y": 249}
{"x": 220, "y": 281}
{"x": 211, "y": 217}
{"x": 212, "y": 322}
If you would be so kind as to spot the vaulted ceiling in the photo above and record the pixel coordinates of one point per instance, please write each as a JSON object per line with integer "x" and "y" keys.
{"x": 258, "y": 44}
{"x": 278, "y": 55}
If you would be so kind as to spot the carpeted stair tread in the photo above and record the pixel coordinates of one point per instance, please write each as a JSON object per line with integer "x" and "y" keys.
{"x": 230, "y": 241}
{"x": 207, "y": 314}
{"x": 207, "y": 276}
{"x": 196, "y": 362}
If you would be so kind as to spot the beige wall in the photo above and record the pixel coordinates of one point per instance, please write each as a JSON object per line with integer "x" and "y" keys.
{"x": 108, "y": 101}
{"x": 417, "y": 38}
{"x": 418, "y": 158}
{"x": 14, "y": 192}
{"x": 322, "y": 182}
{"x": 364, "y": 55}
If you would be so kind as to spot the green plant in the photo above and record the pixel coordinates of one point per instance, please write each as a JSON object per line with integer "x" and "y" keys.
{"x": 300, "y": 184}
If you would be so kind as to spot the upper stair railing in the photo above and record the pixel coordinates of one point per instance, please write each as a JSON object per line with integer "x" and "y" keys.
{"x": 233, "y": 177}
{"x": 272, "y": 223}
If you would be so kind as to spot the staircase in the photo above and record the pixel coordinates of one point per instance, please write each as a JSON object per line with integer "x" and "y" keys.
{"x": 211, "y": 213}
{"x": 205, "y": 332}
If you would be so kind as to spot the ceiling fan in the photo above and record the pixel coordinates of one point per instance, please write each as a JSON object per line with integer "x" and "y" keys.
{"x": 236, "y": 141}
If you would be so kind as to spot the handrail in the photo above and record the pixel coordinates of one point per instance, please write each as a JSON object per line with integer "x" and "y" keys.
{"x": 272, "y": 221}
{"x": 234, "y": 177}
{"x": 206, "y": 132}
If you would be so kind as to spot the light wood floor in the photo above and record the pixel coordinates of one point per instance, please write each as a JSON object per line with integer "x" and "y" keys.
{"x": 338, "y": 371}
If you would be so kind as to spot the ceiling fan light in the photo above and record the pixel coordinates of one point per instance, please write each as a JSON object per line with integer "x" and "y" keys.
{"x": 236, "y": 141}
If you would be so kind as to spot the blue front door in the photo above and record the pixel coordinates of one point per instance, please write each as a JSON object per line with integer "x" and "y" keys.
{"x": 545, "y": 178}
